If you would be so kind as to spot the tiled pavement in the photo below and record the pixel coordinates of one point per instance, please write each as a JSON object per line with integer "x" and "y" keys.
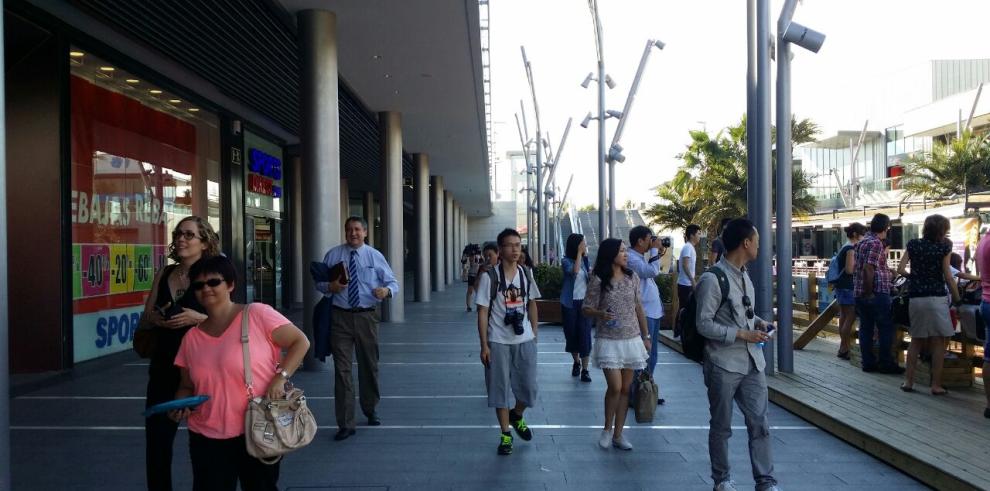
{"x": 85, "y": 431}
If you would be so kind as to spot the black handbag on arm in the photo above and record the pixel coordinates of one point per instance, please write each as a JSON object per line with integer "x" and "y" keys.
{"x": 899, "y": 310}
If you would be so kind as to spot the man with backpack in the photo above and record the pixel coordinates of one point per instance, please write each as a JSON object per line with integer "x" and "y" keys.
{"x": 507, "y": 327}
{"x": 733, "y": 356}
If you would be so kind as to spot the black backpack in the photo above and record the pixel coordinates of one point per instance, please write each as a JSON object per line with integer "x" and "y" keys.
{"x": 692, "y": 341}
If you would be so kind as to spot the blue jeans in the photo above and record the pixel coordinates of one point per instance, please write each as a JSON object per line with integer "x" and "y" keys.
{"x": 577, "y": 330}
{"x": 875, "y": 314}
{"x": 653, "y": 326}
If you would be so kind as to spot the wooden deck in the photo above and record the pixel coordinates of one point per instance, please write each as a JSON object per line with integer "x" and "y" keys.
{"x": 941, "y": 441}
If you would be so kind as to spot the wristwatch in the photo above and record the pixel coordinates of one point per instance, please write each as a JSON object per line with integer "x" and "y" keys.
{"x": 284, "y": 374}
{"x": 647, "y": 337}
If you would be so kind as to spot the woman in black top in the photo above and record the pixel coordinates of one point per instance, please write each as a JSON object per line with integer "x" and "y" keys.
{"x": 929, "y": 307}
{"x": 192, "y": 239}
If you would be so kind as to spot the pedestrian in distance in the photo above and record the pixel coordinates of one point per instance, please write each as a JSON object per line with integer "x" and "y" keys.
{"x": 734, "y": 367}
{"x": 622, "y": 339}
{"x": 929, "y": 259}
{"x": 507, "y": 331}
{"x": 872, "y": 287}
{"x": 172, "y": 309}
{"x": 983, "y": 268}
{"x": 644, "y": 260}
{"x": 718, "y": 247}
{"x": 211, "y": 362}
{"x": 472, "y": 259}
{"x": 489, "y": 254}
{"x": 355, "y": 323}
{"x": 686, "y": 266}
{"x": 577, "y": 327}
{"x": 844, "y": 287}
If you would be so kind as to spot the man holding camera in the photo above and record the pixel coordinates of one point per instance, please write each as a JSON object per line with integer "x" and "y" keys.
{"x": 507, "y": 325}
{"x": 642, "y": 241}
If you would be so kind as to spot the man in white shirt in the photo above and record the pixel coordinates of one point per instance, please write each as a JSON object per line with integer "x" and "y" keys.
{"x": 507, "y": 325}
{"x": 686, "y": 265}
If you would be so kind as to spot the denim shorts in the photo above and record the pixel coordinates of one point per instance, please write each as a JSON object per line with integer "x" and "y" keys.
{"x": 985, "y": 310}
{"x": 845, "y": 297}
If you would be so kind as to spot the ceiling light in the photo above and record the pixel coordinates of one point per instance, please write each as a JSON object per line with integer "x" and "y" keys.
{"x": 388, "y": 75}
{"x": 154, "y": 91}
{"x": 76, "y": 54}
{"x": 175, "y": 101}
{"x": 194, "y": 109}
{"x": 132, "y": 81}
{"x": 396, "y": 91}
{"x": 106, "y": 69}
{"x": 376, "y": 57}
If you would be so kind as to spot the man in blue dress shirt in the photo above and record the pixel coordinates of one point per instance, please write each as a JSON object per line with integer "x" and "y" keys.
{"x": 355, "y": 322}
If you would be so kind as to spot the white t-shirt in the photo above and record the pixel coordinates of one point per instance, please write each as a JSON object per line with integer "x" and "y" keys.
{"x": 580, "y": 284}
{"x": 510, "y": 297}
{"x": 689, "y": 252}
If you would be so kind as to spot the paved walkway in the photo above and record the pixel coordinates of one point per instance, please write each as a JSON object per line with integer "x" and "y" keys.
{"x": 438, "y": 433}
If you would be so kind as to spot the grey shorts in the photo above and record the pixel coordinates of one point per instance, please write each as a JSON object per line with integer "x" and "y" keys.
{"x": 511, "y": 372}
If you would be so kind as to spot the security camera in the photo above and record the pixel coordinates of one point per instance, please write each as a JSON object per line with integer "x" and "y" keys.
{"x": 586, "y": 121}
{"x": 615, "y": 154}
{"x": 587, "y": 80}
{"x": 614, "y": 114}
{"x": 609, "y": 81}
{"x": 659, "y": 44}
{"x": 804, "y": 37}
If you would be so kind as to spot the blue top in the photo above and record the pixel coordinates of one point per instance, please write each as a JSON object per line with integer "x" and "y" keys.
{"x": 373, "y": 272}
{"x": 567, "y": 289}
{"x": 647, "y": 272}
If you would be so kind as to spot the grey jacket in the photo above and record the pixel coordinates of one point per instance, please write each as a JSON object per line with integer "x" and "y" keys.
{"x": 720, "y": 326}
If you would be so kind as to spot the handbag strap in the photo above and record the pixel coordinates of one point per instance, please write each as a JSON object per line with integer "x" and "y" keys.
{"x": 246, "y": 349}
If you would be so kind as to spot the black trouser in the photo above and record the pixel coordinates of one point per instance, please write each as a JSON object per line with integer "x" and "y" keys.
{"x": 219, "y": 464}
{"x": 159, "y": 431}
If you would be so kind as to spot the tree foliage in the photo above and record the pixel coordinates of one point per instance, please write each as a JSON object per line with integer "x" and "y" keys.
{"x": 949, "y": 168}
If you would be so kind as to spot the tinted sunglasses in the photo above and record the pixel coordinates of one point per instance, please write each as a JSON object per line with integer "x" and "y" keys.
{"x": 185, "y": 234}
{"x": 747, "y": 302}
{"x": 198, "y": 285}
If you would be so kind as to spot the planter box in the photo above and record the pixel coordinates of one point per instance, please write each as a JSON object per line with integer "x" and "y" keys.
{"x": 549, "y": 311}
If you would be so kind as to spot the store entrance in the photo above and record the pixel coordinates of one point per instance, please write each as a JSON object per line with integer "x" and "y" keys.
{"x": 264, "y": 260}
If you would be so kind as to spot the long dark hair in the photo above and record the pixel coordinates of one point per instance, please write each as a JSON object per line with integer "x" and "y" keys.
{"x": 607, "y": 252}
{"x": 573, "y": 242}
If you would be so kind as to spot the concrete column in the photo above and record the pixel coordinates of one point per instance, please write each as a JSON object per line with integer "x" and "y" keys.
{"x": 458, "y": 247}
{"x": 448, "y": 210}
{"x": 421, "y": 190}
{"x": 300, "y": 266}
{"x": 368, "y": 203}
{"x": 391, "y": 126}
{"x": 320, "y": 188}
{"x": 345, "y": 202}
{"x": 437, "y": 246}
{"x": 5, "y": 480}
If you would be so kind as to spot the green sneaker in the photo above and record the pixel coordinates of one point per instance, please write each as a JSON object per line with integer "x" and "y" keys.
{"x": 519, "y": 424}
{"x": 505, "y": 444}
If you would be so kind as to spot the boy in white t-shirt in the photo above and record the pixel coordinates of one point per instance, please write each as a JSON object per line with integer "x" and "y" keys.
{"x": 507, "y": 327}
{"x": 686, "y": 264}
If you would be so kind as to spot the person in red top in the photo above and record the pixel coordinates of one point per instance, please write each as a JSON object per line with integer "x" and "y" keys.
{"x": 871, "y": 286}
{"x": 983, "y": 266}
{"x": 211, "y": 363}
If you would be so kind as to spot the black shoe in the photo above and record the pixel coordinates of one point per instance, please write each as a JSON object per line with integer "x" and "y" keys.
{"x": 986, "y": 413}
{"x": 505, "y": 444}
{"x": 344, "y": 433}
{"x": 892, "y": 370}
{"x": 869, "y": 369}
{"x": 519, "y": 424}
{"x": 844, "y": 355}
{"x": 585, "y": 376}
{"x": 373, "y": 420}
{"x": 469, "y": 309}
{"x": 660, "y": 402}
{"x": 576, "y": 369}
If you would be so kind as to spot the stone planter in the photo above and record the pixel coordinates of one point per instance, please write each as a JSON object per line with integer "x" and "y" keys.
{"x": 549, "y": 311}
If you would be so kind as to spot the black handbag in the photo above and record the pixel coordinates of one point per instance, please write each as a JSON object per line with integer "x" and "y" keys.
{"x": 899, "y": 304}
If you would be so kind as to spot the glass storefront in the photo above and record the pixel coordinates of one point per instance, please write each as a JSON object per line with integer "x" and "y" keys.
{"x": 263, "y": 204}
{"x": 142, "y": 159}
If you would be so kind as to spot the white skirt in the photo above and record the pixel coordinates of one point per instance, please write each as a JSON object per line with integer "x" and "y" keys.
{"x": 619, "y": 353}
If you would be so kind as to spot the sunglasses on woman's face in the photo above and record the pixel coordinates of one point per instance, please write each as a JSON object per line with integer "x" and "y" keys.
{"x": 185, "y": 234}
{"x": 198, "y": 285}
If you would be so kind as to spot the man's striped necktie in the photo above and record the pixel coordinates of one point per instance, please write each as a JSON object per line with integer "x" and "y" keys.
{"x": 352, "y": 286}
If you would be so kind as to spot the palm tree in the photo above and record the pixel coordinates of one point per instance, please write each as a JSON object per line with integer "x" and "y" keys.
{"x": 953, "y": 168}
{"x": 677, "y": 209}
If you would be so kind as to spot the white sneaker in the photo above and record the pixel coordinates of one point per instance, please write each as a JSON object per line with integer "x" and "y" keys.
{"x": 729, "y": 485}
{"x": 622, "y": 443}
{"x": 605, "y": 440}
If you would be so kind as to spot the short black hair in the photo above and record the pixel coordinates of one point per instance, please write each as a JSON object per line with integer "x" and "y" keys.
{"x": 220, "y": 265}
{"x": 736, "y": 231}
{"x": 573, "y": 242}
{"x": 362, "y": 221}
{"x": 691, "y": 230}
{"x": 879, "y": 223}
{"x": 637, "y": 233}
{"x": 509, "y": 232}
{"x": 490, "y": 246}
{"x": 723, "y": 223}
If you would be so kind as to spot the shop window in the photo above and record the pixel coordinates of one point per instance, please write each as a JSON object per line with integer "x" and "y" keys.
{"x": 142, "y": 160}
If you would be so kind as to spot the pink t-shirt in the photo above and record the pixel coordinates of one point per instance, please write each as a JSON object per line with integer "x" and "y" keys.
{"x": 983, "y": 264}
{"x": 216, "y": 367}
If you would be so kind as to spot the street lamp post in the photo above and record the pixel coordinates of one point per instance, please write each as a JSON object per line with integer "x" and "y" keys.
{"x": 787, "y": 32}
{"x": 540, "y": 253}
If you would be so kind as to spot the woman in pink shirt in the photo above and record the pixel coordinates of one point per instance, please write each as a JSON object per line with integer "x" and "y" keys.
{"x": 211, "y": 363}
{"x": 983, "y": 266}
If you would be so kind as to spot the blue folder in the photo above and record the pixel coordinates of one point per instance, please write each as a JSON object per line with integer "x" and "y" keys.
{"x": 165, "y": 407}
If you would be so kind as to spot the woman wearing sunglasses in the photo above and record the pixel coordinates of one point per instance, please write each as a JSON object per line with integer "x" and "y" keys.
{"x": 172, "y": 309}
{"x": 211, "y": 363}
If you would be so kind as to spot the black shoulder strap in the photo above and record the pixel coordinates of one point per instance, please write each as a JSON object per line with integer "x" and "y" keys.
{"x": 493, "y": 288}
{"x": 723, "y": 286}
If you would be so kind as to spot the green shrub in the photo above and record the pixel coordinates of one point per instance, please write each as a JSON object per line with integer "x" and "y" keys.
{"x": 549, "y": 279}
{"x": 666, "y": 282}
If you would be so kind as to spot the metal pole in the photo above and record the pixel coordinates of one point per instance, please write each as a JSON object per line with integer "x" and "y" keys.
{"x": 785, "y": 289}
{"x": 5, "y": 482}
{"x": 604, "y": 229}
{"x": 525, "y": 149}
{"x": 539, "y": 253}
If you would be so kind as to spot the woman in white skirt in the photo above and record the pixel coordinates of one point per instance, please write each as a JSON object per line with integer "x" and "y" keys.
{"x": 930, "y": 273}
{"x": 622, "y": 340}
